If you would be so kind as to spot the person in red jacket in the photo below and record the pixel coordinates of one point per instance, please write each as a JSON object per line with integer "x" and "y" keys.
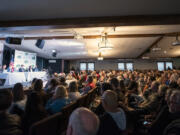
{"x": 90, "y": 85}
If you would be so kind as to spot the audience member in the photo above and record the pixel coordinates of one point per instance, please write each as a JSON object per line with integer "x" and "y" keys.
{"x": 174, "y": 114}
{"x": 83, "y": 122}
{"x": 19, "y": 99}
{"x": 88, "y": 86}
{"x": 73, "y": 91}
{"x": 51, "y": 86}
{"x": 9, "y": 124}
{"x": 38, "y": 87}
{"x": 62, "y": 81}
{"x": 58, "y": 101}
{"x": 113, "y": 122}
{"x": 34, "y": 110}
{"x": 100, "y": 110}
{"x": 32, "y": 84}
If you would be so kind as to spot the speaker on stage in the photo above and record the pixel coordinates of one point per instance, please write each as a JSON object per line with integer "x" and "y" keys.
{"x": 40, "y": 43}
{"x": 12, "y": 40}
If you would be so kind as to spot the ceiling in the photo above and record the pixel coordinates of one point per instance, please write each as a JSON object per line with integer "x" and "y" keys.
{"x": 48, "y": 9}
{"x": 128, "y": 40}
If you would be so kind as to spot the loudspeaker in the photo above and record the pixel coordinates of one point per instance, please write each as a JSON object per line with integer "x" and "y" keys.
{"x": 54, "y": 54}
{"x": 11, "y": 40}
{"x": 40, "y": 43}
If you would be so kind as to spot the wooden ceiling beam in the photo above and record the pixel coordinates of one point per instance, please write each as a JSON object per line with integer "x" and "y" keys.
{"x": 137, "y": 20}
{"x": 109, "y": 36}
{"x": 151, "y": 46}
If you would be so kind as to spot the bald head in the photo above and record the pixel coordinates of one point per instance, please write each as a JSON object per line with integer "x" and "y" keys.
{"x": 109, "y": 100}
{"x": 83, "y": 122}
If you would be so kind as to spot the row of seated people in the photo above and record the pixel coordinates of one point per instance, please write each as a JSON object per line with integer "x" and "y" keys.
{"x": 123, "y": 110}
{"x": 39, "y": 103}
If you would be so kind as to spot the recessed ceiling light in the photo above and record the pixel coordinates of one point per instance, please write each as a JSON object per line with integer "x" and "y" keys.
{"x": 53, "y": 50}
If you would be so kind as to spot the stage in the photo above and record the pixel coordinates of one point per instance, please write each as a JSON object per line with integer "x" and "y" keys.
{"x": 8, "y": 79}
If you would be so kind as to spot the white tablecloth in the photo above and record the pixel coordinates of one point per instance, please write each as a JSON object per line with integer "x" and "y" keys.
{"x": 39, "y": 75}
{"x": 20, "y": 77}
{"x": 13, "y": 78}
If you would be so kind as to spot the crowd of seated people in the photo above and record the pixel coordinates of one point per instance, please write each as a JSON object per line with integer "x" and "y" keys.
{"x": 126, "y": 102}
{"x": 22, "y": 68}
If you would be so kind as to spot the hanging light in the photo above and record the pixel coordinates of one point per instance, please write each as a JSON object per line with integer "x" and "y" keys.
{"x": 78, "y": 36}
{"x": 104, "y": 44}
{"x": 100, "y": 56}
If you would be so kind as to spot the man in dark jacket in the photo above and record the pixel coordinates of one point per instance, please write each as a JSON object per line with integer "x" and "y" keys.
{"x": 113, "y": 122}
{"x": 9, "y": 124}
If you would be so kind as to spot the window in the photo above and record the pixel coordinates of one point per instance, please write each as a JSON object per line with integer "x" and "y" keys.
{"x": 82, "y": 66}
{"x": 91, "y": 66}
{"x": 164, "y": 65}
{"x": 129, "y": 66}
{"x": 169, "y": 65}
{"x": 160, "y": 66}
{"x": 121, "y": 66}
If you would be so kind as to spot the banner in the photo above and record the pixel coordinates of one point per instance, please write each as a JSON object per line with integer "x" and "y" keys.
{"x": 24, "y": 58}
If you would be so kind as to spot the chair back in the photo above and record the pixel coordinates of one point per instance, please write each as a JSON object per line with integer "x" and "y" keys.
{"x": 67, "y": 110}
{"x": 82, "y": 101}
{"x": 48, "y": 126}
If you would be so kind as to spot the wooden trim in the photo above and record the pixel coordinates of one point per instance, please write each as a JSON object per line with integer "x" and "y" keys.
{"x": 137, "y": 20}
{"x": 154, "y": 43}
{"x": 109, "y": 36}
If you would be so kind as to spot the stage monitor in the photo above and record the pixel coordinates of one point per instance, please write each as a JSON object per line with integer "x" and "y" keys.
{"x": 40, "y": 43}
{"x": 12, "y": 40}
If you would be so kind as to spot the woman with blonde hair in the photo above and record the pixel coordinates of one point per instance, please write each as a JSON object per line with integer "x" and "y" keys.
{"x": 58, "y": 101}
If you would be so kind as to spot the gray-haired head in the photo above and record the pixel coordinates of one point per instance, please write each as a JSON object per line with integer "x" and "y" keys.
{"x": 174, "y": 105}
{"x": 83, "y": 122}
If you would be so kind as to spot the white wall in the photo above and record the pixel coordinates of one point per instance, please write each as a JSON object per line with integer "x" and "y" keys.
{"x": 113, "y": 63}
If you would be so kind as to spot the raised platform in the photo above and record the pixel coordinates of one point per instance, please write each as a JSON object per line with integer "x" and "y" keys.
{"x": 9, "y": 79}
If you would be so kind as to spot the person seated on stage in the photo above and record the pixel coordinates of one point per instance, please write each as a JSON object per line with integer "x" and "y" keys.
{"x": 19, "y": 99}
{"x": 173, "y": 114}
{"x": 30, "y": 69}
{"x": 10, "y": 68}
{"x": 22, "y": 69}
{"x": 1, "y": 69}
{"x": 35, "y": 69}
{"x": 9, "y": 124}
{"x": 4, "y": 68}
{"x": 58, "y": 101}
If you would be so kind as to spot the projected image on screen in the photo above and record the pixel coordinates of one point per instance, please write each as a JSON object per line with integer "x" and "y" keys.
{"x": 24, "y": 58}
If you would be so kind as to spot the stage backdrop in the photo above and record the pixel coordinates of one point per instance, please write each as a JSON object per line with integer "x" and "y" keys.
{"x": 24, "y": 58}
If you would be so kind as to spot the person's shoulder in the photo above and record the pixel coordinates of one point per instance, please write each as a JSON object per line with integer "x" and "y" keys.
{"x": 13, "y": 119}
{"x": 12, "y": 124}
